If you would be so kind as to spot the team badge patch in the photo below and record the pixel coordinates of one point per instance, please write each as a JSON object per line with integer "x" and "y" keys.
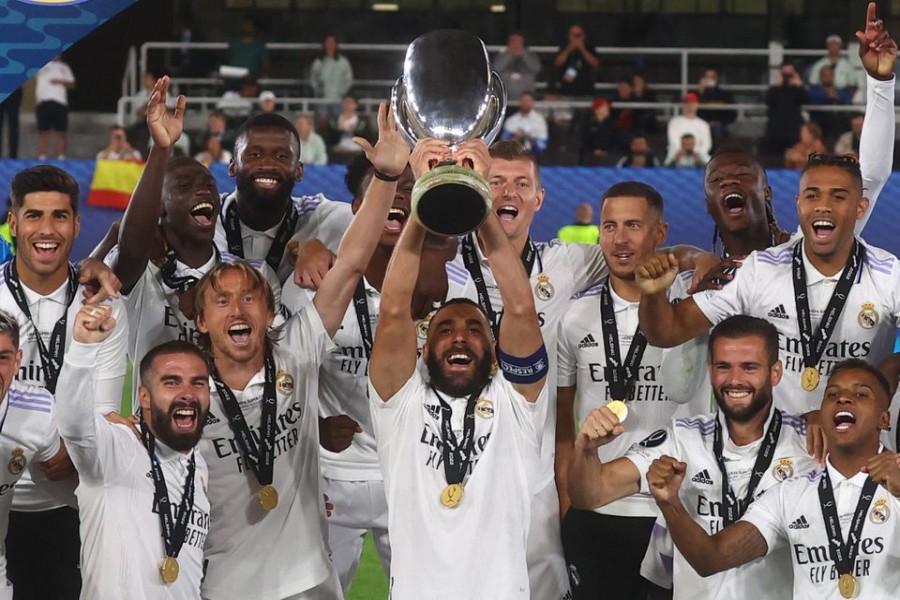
{"x": 293, "y": 247}
{"x": 868, "y": 316}
{"x": 284, "y": 381}
{"x": 881, "y": 512}
{"x": 783, "y": 469}
{"x": 543, "y": 289}
{"x": 422, "y": 326}
{"x": 484, "y": 408}
{"x": 654, "y": 439}
{"x": 16, "y": 464}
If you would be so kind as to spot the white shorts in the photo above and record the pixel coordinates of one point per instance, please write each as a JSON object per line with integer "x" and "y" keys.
{"x": 547, "y": 572}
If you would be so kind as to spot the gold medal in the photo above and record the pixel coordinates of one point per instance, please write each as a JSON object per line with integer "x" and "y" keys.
{"x": 618, "y": 408}
{"x": 268, "y": 497}
{"x": 452, "y": 495}
{"x": 810, "y": 378}
{"x": 847, "y": 585}
{"x": 168, "y": 570}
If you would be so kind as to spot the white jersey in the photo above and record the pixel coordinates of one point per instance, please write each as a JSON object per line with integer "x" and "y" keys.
{"x": 493, "y": 518}
{"x": 320, "y": 218}
{"x": 790, "y": 519}
{"x": 46, "y": 90}
{"x": 691, "y": 441}
{"x": 289, "y": 540}
{"x": 109, "y": 374}
{"x": 122, "y": 540}
{"x": 582, "y": 363}
{"x": 866, "y": 328}
{"x": 154, "y": 315}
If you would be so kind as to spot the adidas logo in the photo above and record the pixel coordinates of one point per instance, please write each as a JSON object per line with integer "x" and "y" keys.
{"x": 778, "y": 312}
{"x": 702, "y": 477}
{"x": 800, "y": 523}
{"x": 588, "y": 342}
{"x": 210, "y": 419}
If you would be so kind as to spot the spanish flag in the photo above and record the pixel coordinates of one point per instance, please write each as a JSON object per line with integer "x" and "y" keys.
{"x": 113, "y": 182}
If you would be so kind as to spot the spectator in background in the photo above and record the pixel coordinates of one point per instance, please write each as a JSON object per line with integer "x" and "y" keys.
{"x": 344, "y": 127}
{"x": 267, "y": 102}
{"x": 239, "y": 104}
{"x": 784, "y": 103}
{"x": 331, "y": 77}
{"x": 528, "y": 126}
{"x": 248, "y": 50}
{"x": 9, "y": 118}
{"x": 844, "y": 75}
{"x": 827, "y": 94}
{"x": 583, "y": 230}
{"x": 54, "y": 80}
{"x": 688, "y": 155}
{"x": 711, "y": 92}
{"x": 216, "y": 125}
{"x": 576, "y": 66}
{"x": 137, "y": 132}
{"x": 639, "y": 154}
{"x": 644, "y": 118}
{"x": 848, "y": 143}
{"x": 118, "y": 148}
{"x": 688, "y": 122}
{"x": 599, "y": 137}
{"x": 213, "y": 152}
{"x": 810, "y": 142}
{"x": 517, "y": 66}
{"x": 312, "y": 146}
{"x": 623, "y": 117}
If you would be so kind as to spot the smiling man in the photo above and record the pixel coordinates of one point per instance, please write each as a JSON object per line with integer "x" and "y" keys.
{"x": 260, "y": 220}
{"x": 838, "y": 524}
{"x": 156, "y": 484}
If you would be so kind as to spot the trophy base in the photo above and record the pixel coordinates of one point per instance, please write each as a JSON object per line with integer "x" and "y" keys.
{"x": 451, "y": 200}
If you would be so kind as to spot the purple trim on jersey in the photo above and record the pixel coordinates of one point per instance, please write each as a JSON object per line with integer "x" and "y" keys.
{"x": 779, "y": 259}
{"x": 873, "y": 259}
{"x": 813, "y": 475}
{"x": 667, "y": 562}
{"x": 37, "y": 396}
{"x": 687, "y": 275}
{"x": 594, "y": 290}
{"x": 798, "y": 423}
{"x": 702, "y": 425}
{"x": 456, "y": 274}
{"x": 306, "y": 204}
{"x": 878, "y": 268}
{"x": 43, "y": 409}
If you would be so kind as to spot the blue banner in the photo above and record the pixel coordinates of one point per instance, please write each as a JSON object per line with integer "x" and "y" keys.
{"x": 32, "y": 32}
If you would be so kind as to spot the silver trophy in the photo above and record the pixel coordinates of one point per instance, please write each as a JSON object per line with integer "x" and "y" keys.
{"x": 449, "y": 92}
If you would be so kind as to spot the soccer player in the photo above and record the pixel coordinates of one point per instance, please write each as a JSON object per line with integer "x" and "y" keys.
{"x": 260, "y": 219}
{"x": 156, "y": 484}
{"x": 604, "y": 357}
{"x": 28, "y": 434}
{"x": 176, "y": 199}
{"x": 748, "y": 447}
{"x": 837, "y": 525}
{"x": 261, "y": 439}
{"x": 44, "y": 292}
{"x": 459, "y": 449}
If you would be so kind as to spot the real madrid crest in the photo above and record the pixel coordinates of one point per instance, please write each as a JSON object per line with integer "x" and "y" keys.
{"x": 783, "y": 469}
{"x": 543, "y": 289}
{"x": 881, "y": 512}
{"x": 422, "y": 326}
{"x": 868, "y": 316}
{"x": 484, "y": 408}
{"x": 284, "y": 381}
{"x": 16, "y": 464}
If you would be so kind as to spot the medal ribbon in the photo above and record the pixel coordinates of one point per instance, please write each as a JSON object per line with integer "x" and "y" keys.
{"x": 260, "y": 458}
{"x": 620, "y": 377}
{"x": 473, "y": 266}
{"x": 457, "y": 454}
{"x": 179, "y": 283}
{"x": 174, "y": 529}
{"x": 232, "y": 225}
{"x": 844, "y": 555}
{"x": 813, "y": 345}
{"x": 734, "y": 508}
{"x": 52, "y": 357}
{"x": 361, "y": 306}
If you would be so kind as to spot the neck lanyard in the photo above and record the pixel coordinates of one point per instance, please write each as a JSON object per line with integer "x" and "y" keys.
{"x": 232, "y": 225}
{"x": 620, "y": 377}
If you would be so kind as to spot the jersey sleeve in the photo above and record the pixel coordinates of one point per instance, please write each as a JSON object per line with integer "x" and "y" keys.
{"x": 766, "y": 513}
{"x": 734, "y": 298}
{"x": 566, "y": 357}
{"x": 587, "y": 265}
{"x": 389, "y": 414}
{"x": 49, "y": 440}
{"x": 110, "y": 367}
{"x": 642, "y": 454}
{"x": 877, "y": 134}
{"x": 331, "y": 219}
{"x": 529, "y": 416}
{"x": 306, "y": 337}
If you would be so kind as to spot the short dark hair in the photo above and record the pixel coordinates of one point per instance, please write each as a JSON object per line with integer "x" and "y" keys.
{"x": 851, "y": 364}
{"x": 846, "y": 162}
{"x": 740, "y": 326}
{"x": 460, "y": 301}
{"x": 513, "y": 150}
{"x": 9, "y": 325}
{"x": 42, "y": 178}
{"x": 261, "y": 120}
{"x": 168, "y": 348}
{"x": 638, "y": 190}
{"x": 356, "y": 173}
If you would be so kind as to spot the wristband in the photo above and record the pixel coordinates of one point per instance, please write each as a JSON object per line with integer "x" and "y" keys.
{"x": 530, "y": 369}
{"x": 384, "y": 176}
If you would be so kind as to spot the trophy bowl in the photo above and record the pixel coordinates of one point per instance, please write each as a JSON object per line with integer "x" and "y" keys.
{"x": 448, "y": 91}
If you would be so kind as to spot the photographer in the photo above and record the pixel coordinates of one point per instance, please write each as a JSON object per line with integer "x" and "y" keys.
{"x": 118, "y": 148}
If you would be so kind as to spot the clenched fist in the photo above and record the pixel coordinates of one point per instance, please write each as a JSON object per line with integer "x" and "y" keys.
{"x": 599, "y": 428}
{"x": 657, "y": 274}
{"x": 664, "y": 478}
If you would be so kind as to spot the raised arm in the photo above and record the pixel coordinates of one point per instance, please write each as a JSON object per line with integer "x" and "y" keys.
{"x": 389, "y": 157}
{"x": 145, "y": 207}
{"x": 591, "y": 483}
{"x": 664, "y": 324}
{"x": 565, "y": 443}
{"x": 731, "y": 547}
